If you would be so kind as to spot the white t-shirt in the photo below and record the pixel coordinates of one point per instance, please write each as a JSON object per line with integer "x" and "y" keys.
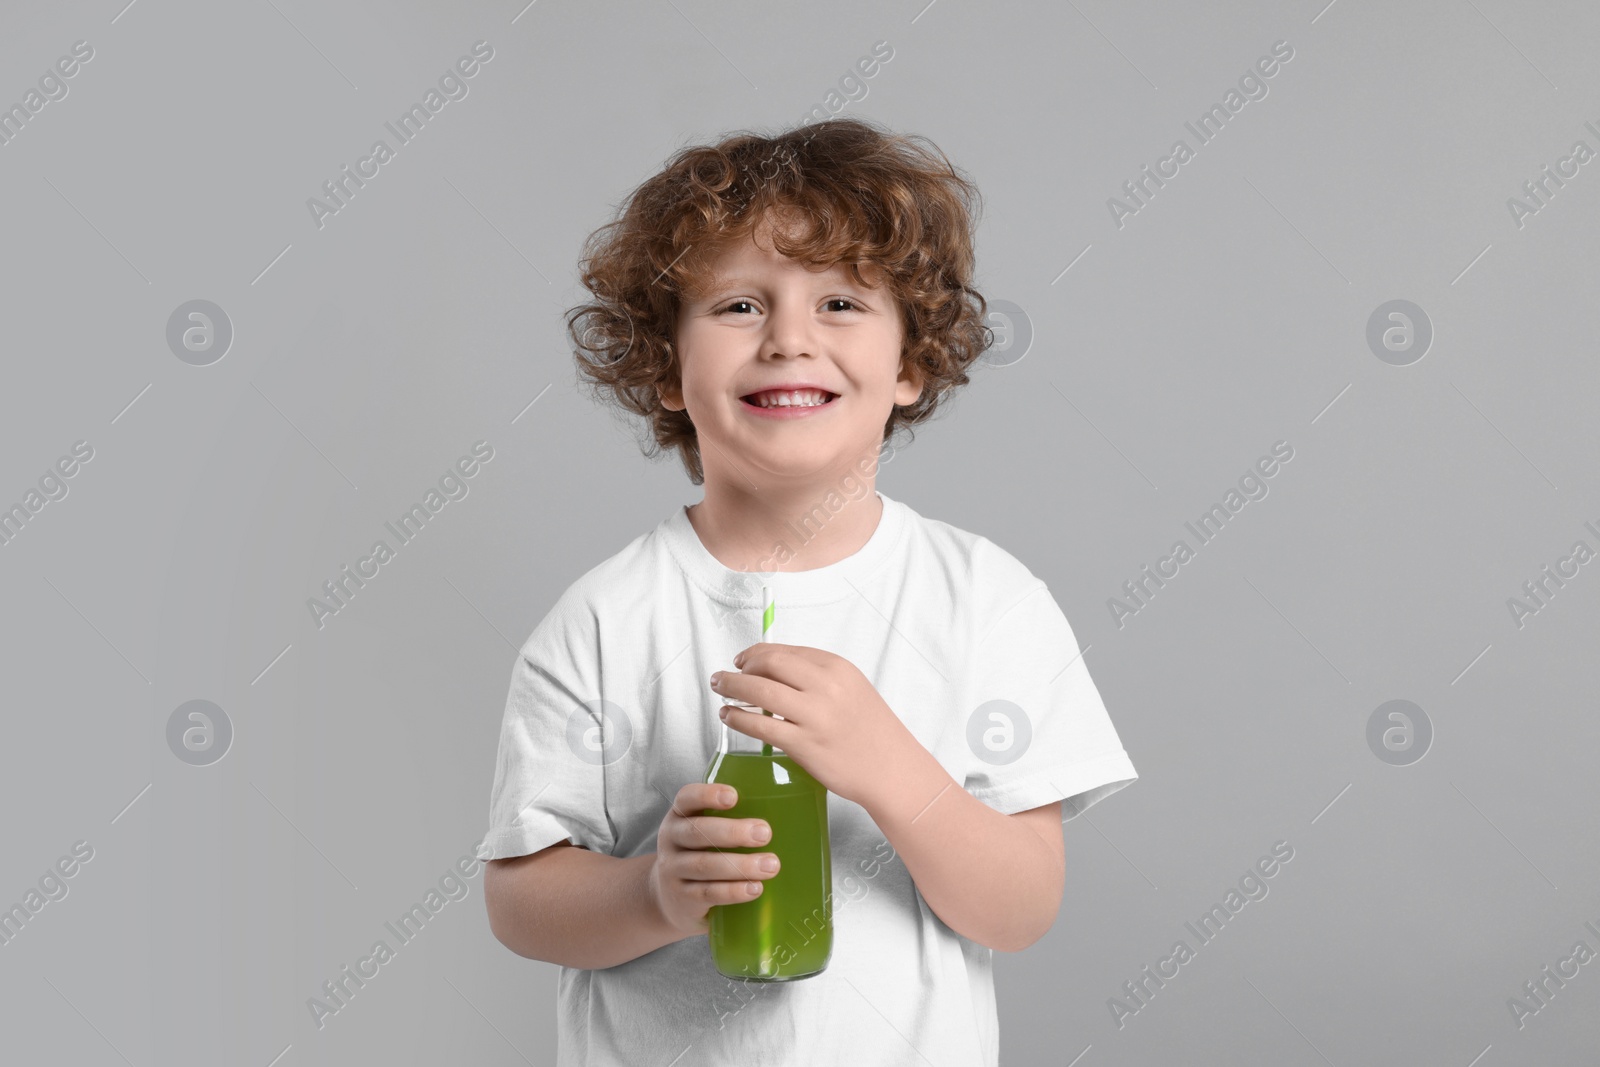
{"x": 942, "y": 622}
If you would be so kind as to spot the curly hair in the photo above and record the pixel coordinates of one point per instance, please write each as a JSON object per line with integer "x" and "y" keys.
{"x": 861, "y": 194}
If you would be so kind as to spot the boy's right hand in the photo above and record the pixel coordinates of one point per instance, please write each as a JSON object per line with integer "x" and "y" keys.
{"x": 687, "y": 879}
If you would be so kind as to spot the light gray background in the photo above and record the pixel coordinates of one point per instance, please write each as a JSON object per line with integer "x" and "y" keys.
{"x": 1229, "y": 313}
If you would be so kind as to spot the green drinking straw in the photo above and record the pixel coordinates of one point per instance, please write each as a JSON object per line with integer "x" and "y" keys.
{"x": 768, "y": 611}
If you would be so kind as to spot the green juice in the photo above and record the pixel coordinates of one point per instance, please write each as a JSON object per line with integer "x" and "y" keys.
{"x": 787, "y": 932}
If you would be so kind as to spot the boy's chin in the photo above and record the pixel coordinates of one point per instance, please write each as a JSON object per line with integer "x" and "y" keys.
{"x": 794, "y": 464}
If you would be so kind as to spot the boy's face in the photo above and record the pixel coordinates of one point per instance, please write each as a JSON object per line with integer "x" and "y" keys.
{"x": 762, "y": 320}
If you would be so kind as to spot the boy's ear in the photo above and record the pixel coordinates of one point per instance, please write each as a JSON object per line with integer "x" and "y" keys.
{"x": 671, "y": 395}
{"x": 671, "y": 392}
{"x": 908, "y": 387}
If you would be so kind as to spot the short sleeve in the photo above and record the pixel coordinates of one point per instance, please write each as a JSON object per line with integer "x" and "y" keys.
{"x": 545, "y": 790}
{"x": 1038, "y": 729}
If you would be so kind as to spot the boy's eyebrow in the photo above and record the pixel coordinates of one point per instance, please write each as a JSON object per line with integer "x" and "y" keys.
{"x": 821, "y": 279}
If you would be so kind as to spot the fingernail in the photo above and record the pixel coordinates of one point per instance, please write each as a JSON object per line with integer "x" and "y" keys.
{"x": 762, "y": 834}
{"x": 769, "y": 863}
{"x": 738, "y": 661}
{"x": 716, "y": 679}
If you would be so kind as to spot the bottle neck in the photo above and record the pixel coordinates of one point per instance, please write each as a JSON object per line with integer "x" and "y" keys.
{"x": 736, "y": 742}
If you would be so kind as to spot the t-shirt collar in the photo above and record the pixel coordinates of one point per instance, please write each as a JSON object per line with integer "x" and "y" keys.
{"x": 820, "y": 585}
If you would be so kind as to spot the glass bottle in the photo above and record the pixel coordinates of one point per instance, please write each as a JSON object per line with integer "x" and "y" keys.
{"x": 786, "y": 932}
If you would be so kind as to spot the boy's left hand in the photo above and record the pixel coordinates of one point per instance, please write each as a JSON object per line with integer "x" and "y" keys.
{"x": 835, "y": 724}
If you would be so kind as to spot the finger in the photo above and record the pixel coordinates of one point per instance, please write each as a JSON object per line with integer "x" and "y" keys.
{"x": 756, "y": 690}
{"x": 775, "y": 732}
{"x": 723, "y": 892}
{"x": 688, "y": 838}
{"x": 811, "y": 652}
{"x": 697, "y": 796}
{"x": 720, "y": 831}
{"x": 706, "y": 866}
{"x": 793, "y": 665}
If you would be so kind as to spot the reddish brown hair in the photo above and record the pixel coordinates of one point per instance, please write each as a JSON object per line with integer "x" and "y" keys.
{"x": 860, "y": 195}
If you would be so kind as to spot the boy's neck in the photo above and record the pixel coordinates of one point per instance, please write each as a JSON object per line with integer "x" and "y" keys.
{"x": 784, "y": 531}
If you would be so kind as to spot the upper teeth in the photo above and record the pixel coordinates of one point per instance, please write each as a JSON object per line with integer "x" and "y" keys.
{"x": 796, "y": 398}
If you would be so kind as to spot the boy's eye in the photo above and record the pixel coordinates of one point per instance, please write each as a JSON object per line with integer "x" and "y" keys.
{"x": 850, "y": 305}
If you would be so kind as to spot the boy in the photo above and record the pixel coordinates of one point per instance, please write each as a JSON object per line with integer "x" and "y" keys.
{"x": 777, "y": 308}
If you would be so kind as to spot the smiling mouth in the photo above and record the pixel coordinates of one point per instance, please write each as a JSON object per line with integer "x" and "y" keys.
{"x": 777, "y": 400}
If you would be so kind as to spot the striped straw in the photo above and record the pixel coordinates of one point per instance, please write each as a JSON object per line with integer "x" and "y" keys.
{"x": 769, "y": 611}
